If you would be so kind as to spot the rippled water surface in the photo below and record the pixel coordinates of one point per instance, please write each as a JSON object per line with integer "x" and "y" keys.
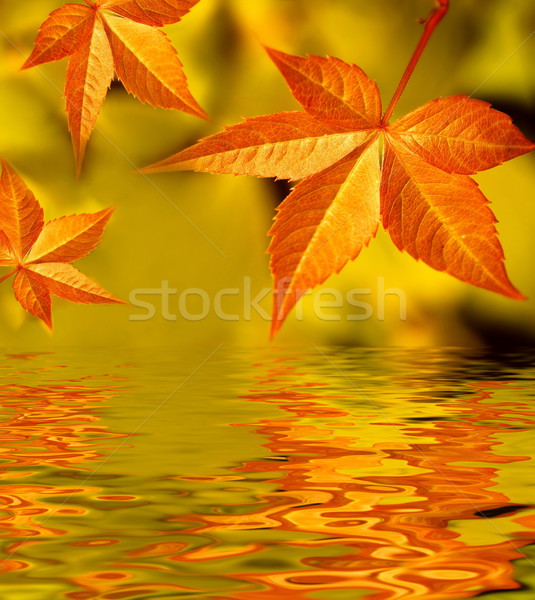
{"x": 313, "y": 473}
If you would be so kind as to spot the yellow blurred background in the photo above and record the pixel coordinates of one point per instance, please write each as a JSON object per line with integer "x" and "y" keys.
{"x": 207, "y": 232}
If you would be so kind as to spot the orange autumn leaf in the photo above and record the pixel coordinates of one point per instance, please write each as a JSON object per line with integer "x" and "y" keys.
{"x": 41, "y": 252}
{"x": 416, "y": 184}
{"x": 114, "y": 36}
{"x": 21, "y": 217}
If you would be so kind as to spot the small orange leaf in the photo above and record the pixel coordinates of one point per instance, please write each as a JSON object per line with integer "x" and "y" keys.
{"x": 151, "y": 12}
{"x": 21, "y": 217}
{"x": 41, "y": 253}
{"x": 143, "y": 57}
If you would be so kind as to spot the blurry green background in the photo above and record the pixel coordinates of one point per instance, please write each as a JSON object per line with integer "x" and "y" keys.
{"x": 209, "y": 232}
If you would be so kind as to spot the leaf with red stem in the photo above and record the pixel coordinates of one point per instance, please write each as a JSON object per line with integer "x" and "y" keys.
{"x": 419, "y": 187}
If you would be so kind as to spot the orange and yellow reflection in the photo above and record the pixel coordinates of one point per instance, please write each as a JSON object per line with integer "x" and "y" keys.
{"x": 385, "y": 508}
{"x": 350, "y": 495}
{"x": 45, "y": 427}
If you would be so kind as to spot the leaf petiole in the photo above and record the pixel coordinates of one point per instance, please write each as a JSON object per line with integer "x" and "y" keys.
{"x": 437, "y": 14}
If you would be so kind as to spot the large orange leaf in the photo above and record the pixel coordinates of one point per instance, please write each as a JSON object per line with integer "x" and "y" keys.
{"x": 40, "y": 253}
{"x": 100, "y": 43}
{"x": 429, "y": 205}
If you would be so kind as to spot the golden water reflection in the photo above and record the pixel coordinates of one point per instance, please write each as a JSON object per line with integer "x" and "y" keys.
{"x": 322, "y": 491}
{"x": 379, "y": 512}
{"x": 45, "y": 426}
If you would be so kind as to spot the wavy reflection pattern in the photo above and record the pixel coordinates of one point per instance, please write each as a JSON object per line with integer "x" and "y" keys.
{"x": 374, "y": 517}
{"x": 44, "y": 428}
{"x": 347, "y": 499}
